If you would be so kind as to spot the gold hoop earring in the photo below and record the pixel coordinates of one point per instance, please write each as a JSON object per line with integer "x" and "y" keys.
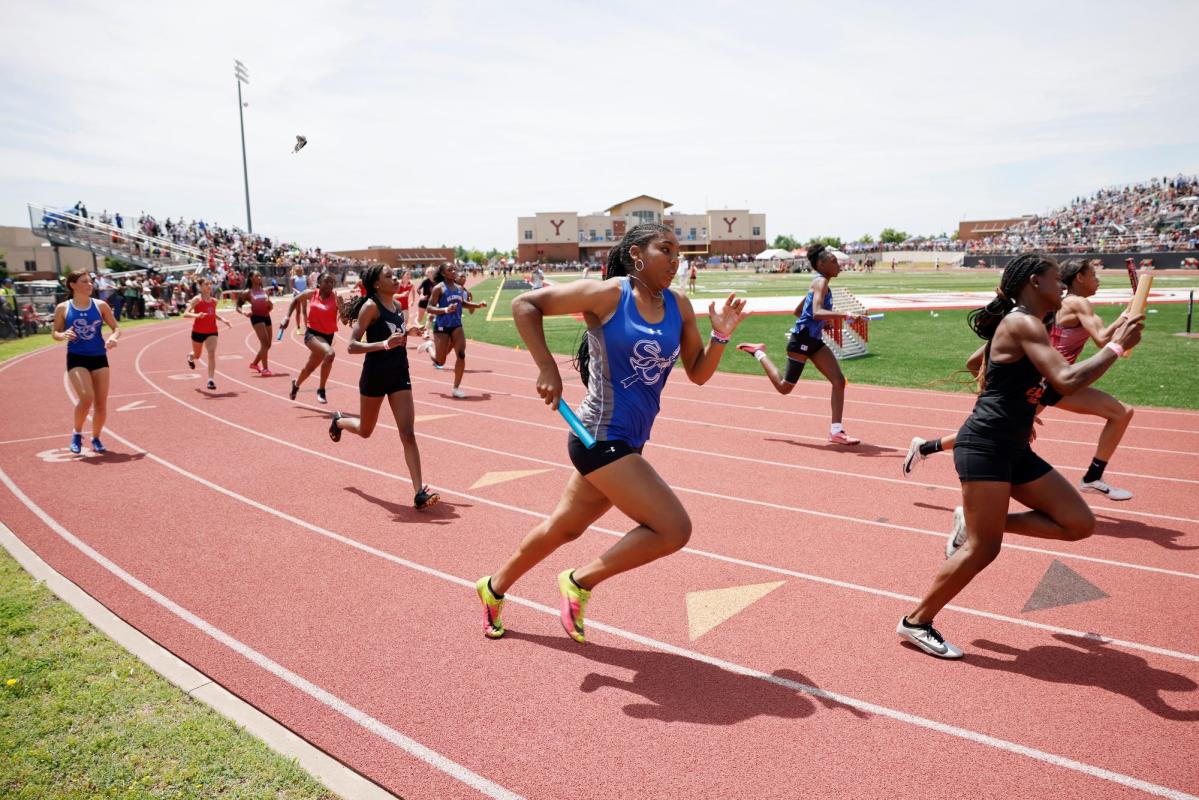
{"x": 638, "y": 264}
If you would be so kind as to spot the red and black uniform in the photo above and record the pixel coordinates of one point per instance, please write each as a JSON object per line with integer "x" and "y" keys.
{"x": 205, "y": 325}
{"x": 322, "y": 318}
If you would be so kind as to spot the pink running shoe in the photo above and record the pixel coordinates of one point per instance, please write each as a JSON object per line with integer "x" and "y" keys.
{"x": 266, "y": 373}
{"x": 752, "y": 349}
{"x": 843, "y": 438}
{"x": 256, "y": 368}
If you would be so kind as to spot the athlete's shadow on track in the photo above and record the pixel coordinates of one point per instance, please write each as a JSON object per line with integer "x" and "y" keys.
{"x": 208, "y": 394}
{"x": 681, "y": 689}
{"x": 470, "y": 398}
{"x": 111, "y": 457}
{"x": 441, "y": 514}
{"x": 1089, "y": 662}
{"x": 863, "y": 449}
{"x": 1119, "y": 528}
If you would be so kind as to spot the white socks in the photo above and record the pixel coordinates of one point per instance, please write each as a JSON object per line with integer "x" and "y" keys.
{"x": 760, "y": 355}
{"x": 835, "y": 428}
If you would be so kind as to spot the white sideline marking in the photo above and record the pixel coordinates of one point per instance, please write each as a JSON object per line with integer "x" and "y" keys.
{"x": 478, "y": 782}
{"x": 136, "y": 405}
{"x": 690, "y": 550}
{"x": 38, "y": 438}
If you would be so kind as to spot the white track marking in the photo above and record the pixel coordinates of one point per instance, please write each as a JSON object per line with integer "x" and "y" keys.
{"x": 478, "y": 782}
{"x": 690, "y": 550}
{"x": 39, "y": 438}
{"x": 459, "y": 408}
{"x": 328, "y": 699}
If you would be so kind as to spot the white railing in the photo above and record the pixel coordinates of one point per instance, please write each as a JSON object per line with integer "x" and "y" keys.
{"x": 68, "y": 228}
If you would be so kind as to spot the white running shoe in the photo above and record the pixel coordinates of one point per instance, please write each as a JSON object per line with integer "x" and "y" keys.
{"x": 458, "y": 393}
{"x": 957, "y": 536}
{"x": 927, "y": 638}
{"x": 1099, "y": 487}
{"x": 914, "y": 456}
{"x": 425, "y": 347}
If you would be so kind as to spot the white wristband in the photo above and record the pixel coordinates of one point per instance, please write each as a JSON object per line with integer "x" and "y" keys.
{"x": 1115, "y": 348}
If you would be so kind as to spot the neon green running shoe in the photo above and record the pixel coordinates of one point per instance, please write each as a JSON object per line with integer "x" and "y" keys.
{"x": 574, "y": 603}
{"x": 492, "y": 606}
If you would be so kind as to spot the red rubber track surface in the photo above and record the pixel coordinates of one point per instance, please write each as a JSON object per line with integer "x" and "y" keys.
{"x": 294, "y": 572}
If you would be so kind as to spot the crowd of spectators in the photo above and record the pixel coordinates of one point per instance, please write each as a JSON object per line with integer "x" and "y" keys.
{"x": 1161, "y": 214}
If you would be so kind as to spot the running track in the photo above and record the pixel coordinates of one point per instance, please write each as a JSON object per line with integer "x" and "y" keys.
{"x": 293, "y": 571}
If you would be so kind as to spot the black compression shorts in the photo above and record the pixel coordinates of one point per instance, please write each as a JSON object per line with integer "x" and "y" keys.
{"x": 200, "y": 337}
{"x": 380, "y": 381}
{"x": 260, "y": 319}
{"x": 803, "y": 345}
{"x": 90, "y": 363}
{"x": 327, "y": 338}
{"x": 978, "y": 458}
{"x": 603, "y": 454}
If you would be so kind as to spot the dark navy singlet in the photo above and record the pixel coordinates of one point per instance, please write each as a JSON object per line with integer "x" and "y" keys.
{"x": 630, "y": 361}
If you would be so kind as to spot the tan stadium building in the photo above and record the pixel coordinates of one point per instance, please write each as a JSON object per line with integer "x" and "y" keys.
{"x": 395, "y": 257}
{"x": 556, "y": 236}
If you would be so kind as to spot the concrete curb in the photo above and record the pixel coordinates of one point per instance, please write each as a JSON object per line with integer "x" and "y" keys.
{"x": 334, "y": 775}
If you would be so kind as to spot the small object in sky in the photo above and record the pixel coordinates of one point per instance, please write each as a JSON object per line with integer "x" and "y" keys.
{"x": 300, "y": 142}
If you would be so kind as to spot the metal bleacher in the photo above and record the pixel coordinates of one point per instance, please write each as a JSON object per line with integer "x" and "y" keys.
{"x": 65, "y": 228}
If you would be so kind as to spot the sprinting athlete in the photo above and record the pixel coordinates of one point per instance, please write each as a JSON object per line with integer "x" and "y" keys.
{"x": 77, "y": 322}
{"x": 446, "y": 302}
{"x": 324, "y": 308}
{"x": 1074, "y": 324}
{"x": 378, "y": 320}
{"x": 994, "y": 461}
{"x": 260, "y": 319}
{"x": 637, "y": 326}
{"x": 202, "y": 309}
{"x": 299, "y": 285}
{"x": 806, "y": 342}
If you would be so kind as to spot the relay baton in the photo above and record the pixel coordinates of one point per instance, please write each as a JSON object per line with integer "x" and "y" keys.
{"x": 1140, "y": 299}
{"x": 279, "y": 338}
{"x": 875, "y": 316}
{"x": 584, "y": 435}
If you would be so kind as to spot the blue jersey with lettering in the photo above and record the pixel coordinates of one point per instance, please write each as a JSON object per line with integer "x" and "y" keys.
{"x": 807, "y": 323}
{"x": 630, "y": 361}
{"x": 450, "y": 293}
{"x": 89, "y": 339}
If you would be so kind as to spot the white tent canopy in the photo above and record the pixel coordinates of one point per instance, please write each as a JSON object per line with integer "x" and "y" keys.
{"x": 774, "y": 252}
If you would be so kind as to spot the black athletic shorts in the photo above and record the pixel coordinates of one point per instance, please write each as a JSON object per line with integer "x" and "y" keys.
{"x": 90, "y": 363}
{"x": 200, "y": 337}
{"x": 258, "y": 319}
{"x": 446, "y": 331}
{"x": 327, "y": 338}
{"x": 979, "y": 458}
{"x": 380, "y": 381}
{"x": 603, "y": 454}
{"x": 423, "y": 302}
{"x": 804, "y": 345}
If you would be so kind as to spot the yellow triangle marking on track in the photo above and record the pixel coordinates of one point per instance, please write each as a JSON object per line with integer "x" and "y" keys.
{"x": 709, "y": 608}
{"x": 431, "y": 417}
{"x": 492, "y": 478}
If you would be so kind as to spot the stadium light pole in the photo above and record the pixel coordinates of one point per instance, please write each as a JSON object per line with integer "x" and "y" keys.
{"x": 243, "y": 76}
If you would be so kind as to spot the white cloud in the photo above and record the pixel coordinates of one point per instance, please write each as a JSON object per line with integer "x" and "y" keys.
{"x": 442, "y": 122}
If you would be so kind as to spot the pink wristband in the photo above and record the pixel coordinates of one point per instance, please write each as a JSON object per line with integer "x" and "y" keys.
{"x": 1115, "y": 348}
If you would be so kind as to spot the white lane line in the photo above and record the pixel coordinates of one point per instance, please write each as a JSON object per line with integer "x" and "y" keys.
{"x": 63, "y": 436}
{"x": 461, "y": 409}
{"x": 677, "y": 395}
{"x": 328, "y": 699}
{"x": 689, "y": 550}
{"x": 482, "y": 784}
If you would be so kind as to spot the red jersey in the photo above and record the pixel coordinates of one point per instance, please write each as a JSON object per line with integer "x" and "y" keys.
{"x": 404, "y": 295}
{"x": 322, "y": 314}
{"x": 1069, "y": 341}
{"x": 206, "y": 323}
{"x": 260, "y": 306}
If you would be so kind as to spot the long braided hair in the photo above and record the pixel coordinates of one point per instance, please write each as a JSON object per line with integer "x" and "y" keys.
{"x": 1016, "y": 275}
{"x": 370, "y": 281}
{"x": 620, "y": 263}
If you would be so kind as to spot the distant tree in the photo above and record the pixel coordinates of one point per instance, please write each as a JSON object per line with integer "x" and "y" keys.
{"x": 117, "y": 265}
{"x": 954, "y": 236}
{"x": 892, "y": 236}
{"x": 785, "y": 242}
{"x": 866, "y": 239}
{"x": 459, "y": 253}
{"x": 827, "y": 241}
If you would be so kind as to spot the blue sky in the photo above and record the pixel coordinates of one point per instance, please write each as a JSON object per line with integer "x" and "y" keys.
{"x": 441, "y": 122}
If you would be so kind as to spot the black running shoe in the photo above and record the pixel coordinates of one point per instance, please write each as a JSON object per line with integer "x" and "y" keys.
{"x": 295, "y": 390}
{"x": 424, "y": 498}
{"x": 320, "y": 396}
{"x": 212, "y": 384}
{"x": 191, "y": 362}
{"x": 334, "y": 431}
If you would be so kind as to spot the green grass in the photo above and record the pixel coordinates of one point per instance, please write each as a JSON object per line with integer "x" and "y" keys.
{"x": 84, "y": 718}
{"x": 913, "y": 349}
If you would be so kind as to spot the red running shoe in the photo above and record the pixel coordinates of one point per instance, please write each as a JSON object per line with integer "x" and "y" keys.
{"x": 752, "y": 349}
{"x": 843, "y": 438}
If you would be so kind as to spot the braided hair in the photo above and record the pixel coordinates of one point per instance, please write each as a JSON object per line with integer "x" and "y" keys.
{"x": 620, "y": 262}
{"x": 816, "y": 254}
{"x": 370, "y": 280}
{"x": 1016, "y": 275}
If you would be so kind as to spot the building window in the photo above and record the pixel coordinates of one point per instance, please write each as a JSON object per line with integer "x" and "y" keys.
{"x": 591, "y": 233}
{"x": 691, "y": 235}
{"x": 703, "y": 233}
{"x": 644, "y": 217}
{"x": 528, "y": 236}
{"x": 757, "y": 231}
{"x": 608, "y": 234}
{"x": 678, "y": 231}
{"x": 31, "y": 266}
